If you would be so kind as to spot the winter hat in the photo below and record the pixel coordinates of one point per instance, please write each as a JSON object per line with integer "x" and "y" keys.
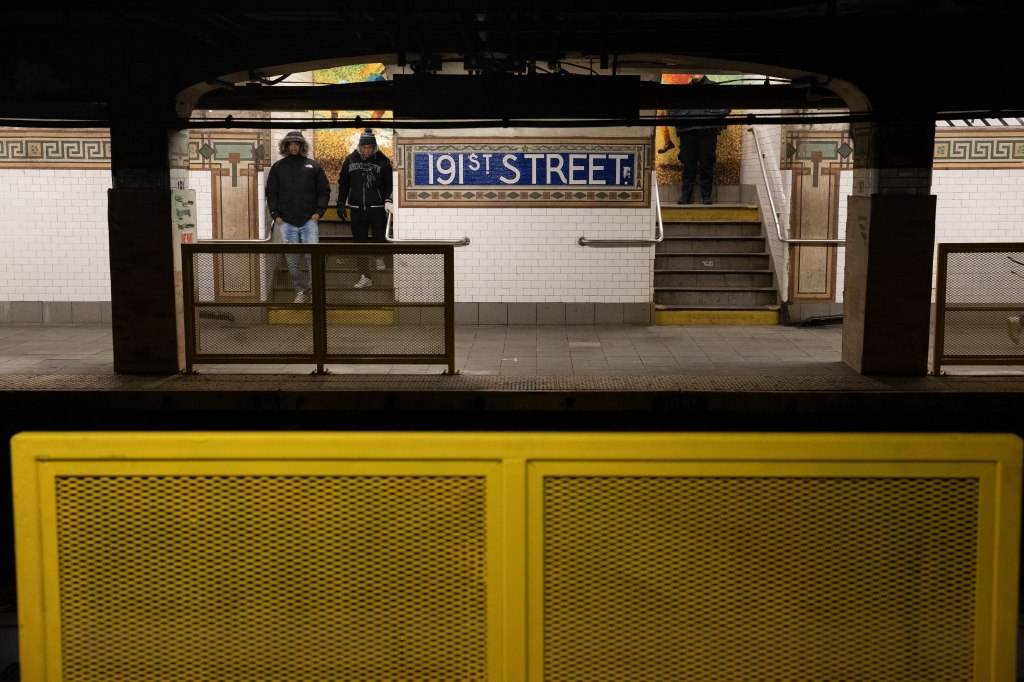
{"x": 293, "y": 136}
{"x": 366, "y": 137}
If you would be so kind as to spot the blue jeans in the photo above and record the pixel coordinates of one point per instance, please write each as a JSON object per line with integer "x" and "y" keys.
{"x": 305, "y": 234}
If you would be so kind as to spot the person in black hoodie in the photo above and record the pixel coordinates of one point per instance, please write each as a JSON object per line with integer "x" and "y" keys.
{"x": 698, "y": 145}
{"x": 364, "y": 185}
{"x": 297, "y": 196}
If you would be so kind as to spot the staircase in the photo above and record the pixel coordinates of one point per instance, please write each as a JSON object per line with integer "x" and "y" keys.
{"x": 345, "y": 305}
{"x": 713, "y": 268}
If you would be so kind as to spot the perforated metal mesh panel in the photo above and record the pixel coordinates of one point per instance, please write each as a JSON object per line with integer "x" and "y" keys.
{"x": 401, "y": 313}
{"x": 675, "y": 578}
{"x": 442, "y": 557}
{"x": 983, "y": 291}
{"x": 245, "y": 306}
{"x": 246, "y": 332}
{"x": 272, "y": 578}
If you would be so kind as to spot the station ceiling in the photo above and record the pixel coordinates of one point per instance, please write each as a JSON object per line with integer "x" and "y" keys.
{"x": 920, "y": 58}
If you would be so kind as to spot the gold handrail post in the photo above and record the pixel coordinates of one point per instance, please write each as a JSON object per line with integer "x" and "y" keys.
{"x": 449, "y": 307}
{"x": 188, "y": 304}
{"x": 318, "y": 275}
{"x": 940, "y": 309}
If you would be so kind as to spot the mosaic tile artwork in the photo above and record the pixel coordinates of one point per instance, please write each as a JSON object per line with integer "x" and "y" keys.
{"x": 330, "y": 147}
{"x": 66, "y": 149}
{"x": 666, "y": 142}
{"x": 816, "y": 159}
{"x": 35, "y": 148}
{"x": 804, "y": 148}
{"x": 984, "y": 148}
{"x": 524, "y": 172}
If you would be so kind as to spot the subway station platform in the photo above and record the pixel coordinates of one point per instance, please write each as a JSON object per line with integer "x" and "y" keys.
{"x": 536, "y": 377}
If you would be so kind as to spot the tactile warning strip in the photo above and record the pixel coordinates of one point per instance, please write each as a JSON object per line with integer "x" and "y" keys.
{"x": 433, "y": 382}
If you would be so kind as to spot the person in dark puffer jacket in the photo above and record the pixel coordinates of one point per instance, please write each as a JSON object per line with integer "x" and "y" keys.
{"x": 698, "y": 146}
{"x": 365, "y": 185}
{"x": 297, "y": 196}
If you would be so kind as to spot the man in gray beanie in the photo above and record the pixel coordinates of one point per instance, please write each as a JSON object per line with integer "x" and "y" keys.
{"x": 297, "y": 196}
{"x": 364, "y": 184}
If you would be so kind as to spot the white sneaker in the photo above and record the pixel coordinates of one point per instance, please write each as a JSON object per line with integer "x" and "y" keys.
{"x": 363, "y": 282}
{"x": 300, "y": 297}
{"x": 380, "y": 263}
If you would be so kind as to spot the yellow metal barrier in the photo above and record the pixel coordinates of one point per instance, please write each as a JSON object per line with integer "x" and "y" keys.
{"x": 511, "y": 556}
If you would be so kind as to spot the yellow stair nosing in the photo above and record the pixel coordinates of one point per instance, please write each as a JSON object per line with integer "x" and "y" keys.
{"x": 716, "y": 317}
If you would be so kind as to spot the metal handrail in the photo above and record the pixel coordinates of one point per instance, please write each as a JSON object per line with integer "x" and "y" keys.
{"x": 940, "y": 357}
{"x": 388, "y": 235}
{"x": 775, "y": 211}
{"x": 314, "y": 312}
{"x": 659, "y": 228}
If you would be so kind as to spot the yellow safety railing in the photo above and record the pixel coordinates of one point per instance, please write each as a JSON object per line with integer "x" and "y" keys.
{"x": 516, "y": 556}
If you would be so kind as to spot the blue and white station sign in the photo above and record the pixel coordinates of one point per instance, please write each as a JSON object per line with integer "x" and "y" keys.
{"x": 491, "y": 172}
{"x": 535, "y": 169}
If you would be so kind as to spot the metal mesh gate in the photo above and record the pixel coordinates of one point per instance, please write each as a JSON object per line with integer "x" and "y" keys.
{"x": 709, "y": 579}
{"x": 979, "y": 305}
{"x": 283, "y": 303}
{"x": 272, "y": 578}
{"x": 450, "y": 557}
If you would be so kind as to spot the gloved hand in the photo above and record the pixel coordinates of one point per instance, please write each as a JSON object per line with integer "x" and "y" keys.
{"x": 389, "y": 206}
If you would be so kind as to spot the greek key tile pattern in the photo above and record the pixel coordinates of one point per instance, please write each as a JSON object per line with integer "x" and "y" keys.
{"x": 42, "y": 148}
{"x": 69, "y": 149}
{"x": 999, "y": 148}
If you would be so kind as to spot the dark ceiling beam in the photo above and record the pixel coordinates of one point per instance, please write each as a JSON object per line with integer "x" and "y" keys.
{"x": 454, "y": 94}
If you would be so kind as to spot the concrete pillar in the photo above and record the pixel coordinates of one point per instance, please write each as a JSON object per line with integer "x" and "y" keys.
{"x": 141, "y": 256}
{"x": 890, "y": 240}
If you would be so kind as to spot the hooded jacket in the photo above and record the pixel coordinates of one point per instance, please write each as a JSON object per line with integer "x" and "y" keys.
{"x": 364, "y": 184}
{"x": 297, "y": 188}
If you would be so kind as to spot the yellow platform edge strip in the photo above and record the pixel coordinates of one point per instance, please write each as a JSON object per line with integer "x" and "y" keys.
{"x": 682, "y": 318}
{"x": 384, "y": 316}
{"x": 709, "y": 214}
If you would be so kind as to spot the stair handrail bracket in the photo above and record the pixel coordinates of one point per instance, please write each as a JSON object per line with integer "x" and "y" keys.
{"x": 775, "y": 211}
{"x": 659, "y": 226}
{"x": 390, "y": 238}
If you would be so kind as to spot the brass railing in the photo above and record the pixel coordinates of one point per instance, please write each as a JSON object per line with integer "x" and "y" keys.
{"x": 979, "y": 305}
{"x": 241, "y": 305}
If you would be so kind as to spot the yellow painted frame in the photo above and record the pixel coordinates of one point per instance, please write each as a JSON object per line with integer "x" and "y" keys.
{"x": 514, "y": 465}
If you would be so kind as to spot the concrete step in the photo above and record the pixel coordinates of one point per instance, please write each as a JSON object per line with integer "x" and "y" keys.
{"x": 716, "y": 297}
{"x": 722, "y": 229}
{"x": 711, "y": 261}
{"x": 713, "y": 278}
{"x": 711, "y": 245}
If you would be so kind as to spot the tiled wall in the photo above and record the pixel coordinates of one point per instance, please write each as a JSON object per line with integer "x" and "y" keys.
{"x": 984, "y": 205}
{"x": 525, "y": 265}
{"x": 522, "y": 264}
{"x": 532, "y": 255}
{"x": 53, "y": 235}
{"x": 202, "y": 183}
